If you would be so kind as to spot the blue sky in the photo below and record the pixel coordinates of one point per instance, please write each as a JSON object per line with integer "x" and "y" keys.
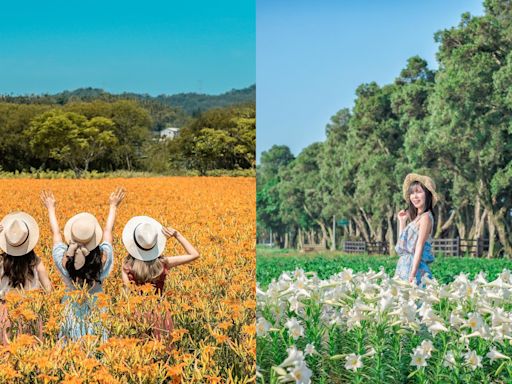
{"x": 147, "y": 46}
{"x": 312, "y": 55}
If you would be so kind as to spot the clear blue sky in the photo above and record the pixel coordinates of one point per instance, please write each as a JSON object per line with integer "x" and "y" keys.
{"x": 146, "y": 46}
{"x": 312, "y": 55}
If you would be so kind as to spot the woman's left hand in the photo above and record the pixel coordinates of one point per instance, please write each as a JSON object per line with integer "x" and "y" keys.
{"x": 169, "y": 232}
{"x": 411, "y": 279}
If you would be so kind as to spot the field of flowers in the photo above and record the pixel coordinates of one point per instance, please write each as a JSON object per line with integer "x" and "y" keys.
{"x": 367, "y": 327}
{"x": 209, "y": 301}
{"x": 272, "y": 262}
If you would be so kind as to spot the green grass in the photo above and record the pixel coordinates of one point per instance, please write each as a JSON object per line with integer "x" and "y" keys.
{"x": 270, "y": 263}
{"x": 69, "y": 174}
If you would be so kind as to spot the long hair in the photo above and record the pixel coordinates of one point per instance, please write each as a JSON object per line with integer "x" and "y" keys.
{"x": 413, "y": 212}
{"x": 90, "y": 272}
{"x": 144, "y": 271}
{"x": 19, "y": 269}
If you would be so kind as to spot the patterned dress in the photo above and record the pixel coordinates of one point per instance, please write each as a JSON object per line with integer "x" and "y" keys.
{"x": 406, "y": 247}
{"x": 79, "y": 317}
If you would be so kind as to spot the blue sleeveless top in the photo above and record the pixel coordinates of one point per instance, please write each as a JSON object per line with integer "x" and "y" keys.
{"x": 406, "y": 247}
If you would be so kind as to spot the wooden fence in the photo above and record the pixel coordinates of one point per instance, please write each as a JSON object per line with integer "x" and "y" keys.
{"x": 447, "y": 247}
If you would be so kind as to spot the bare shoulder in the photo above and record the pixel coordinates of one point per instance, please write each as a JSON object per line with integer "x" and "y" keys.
{"x": 425, "y": 220}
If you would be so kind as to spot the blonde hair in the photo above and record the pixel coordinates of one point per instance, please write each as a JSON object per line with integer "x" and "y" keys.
{"x": 144, "y": 271}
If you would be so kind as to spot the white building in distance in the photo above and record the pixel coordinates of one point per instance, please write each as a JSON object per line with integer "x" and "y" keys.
{"x": 169, "y": 133}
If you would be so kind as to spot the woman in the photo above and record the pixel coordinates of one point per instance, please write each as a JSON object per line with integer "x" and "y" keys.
{"x": 415, "y": 240}
{"x": 84, "y": 261}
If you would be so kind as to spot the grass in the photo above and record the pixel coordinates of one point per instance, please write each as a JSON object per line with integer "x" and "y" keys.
{"x": 69, "y": 174}
{"x": 270, "y": 263}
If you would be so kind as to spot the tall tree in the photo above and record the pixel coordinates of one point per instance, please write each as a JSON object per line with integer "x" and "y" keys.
{"x": 267, "y": 194}
{"x": 471, "y": 111}
{"x": 71, "y": 138}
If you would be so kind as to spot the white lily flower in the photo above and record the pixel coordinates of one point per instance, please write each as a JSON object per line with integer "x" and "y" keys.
{"x": 437, "y": 327}
{"x": 353, "y": 362}
{"x": 473, "y": 360}
{"x": 346, "y": 275}
{"x": 474, "y": 321}
{"x": 310, "y": 349}
{"x": 301, "y": 373}
{"x": 493, "y": 354}
{"x": 505, "y": 276}
{"x": 370, "y": 352}
{"x": 418, "y": 359}
{"x": 295, "y": 329}
{"x": 262, "y": 326}
{"x": 449, "y": 360}
{"x": 427, "y": 347}
{"x": 295, "y": 304}
{"x": 294, "y": 357}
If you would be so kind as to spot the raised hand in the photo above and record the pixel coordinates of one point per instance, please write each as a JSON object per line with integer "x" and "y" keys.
{"x": 169, "y": 232}
{"x": 403, "y": 215}
{"x": 117, "y": 196}
{"x": 48, "y": 199}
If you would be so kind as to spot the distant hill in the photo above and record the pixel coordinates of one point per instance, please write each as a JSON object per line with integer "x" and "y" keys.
{"x": 191, "y": 103}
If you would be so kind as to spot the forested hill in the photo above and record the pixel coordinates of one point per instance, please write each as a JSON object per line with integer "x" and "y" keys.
{"x": 190, "y": 103}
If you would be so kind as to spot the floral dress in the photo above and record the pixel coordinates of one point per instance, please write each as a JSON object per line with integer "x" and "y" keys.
{"x": 79, "y": 317}
{"x": 406, "y": 247}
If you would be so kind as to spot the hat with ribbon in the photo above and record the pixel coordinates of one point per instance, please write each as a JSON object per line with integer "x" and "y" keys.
{"x": 20, "y": 234}
{"x": 82, "y": 233}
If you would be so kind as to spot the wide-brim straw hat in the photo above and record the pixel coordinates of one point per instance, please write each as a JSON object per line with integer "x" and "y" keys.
{"x": 84, "y": 229}
{"x": 143, "y": 238}
{"x": 20, "y": 234}
{"x": 425, "y": 180}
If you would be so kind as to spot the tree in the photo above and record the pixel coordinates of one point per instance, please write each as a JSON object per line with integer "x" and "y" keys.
{"x": 71, "y": 138}
{"x": 301, "y": 192}
{"x": 471, "y": 110}
{"x": 267, "y": 194}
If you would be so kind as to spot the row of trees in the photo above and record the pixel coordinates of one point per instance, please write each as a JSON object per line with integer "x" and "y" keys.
{"x": 454, "y": 124}
{"x": 115, "y": 135}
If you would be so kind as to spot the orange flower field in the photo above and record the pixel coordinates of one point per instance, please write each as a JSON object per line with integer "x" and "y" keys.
{"x": 211, "y": 301}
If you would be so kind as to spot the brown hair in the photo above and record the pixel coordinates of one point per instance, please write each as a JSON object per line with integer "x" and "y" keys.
{"x": 413, "y": 212}
{"x": 144, "y": 271}
{"x": 19, "y": 269}
{"x": 90, "y": 272}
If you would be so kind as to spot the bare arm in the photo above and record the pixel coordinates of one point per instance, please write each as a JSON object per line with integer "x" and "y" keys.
{"x": 49, "y": 202}
{"x": 402, "y": 216}
{"x": 114, "y": 200}
{"x": 124, "y": 277}
{"x": 43, "y": 277}
{"x": 424, "y": 230}
{"x": 192, "y": 253}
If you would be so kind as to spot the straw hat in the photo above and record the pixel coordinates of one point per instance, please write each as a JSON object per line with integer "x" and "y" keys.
{"x": 83, "y": 229}
{"x": 425, "y": 180}
{"x": 20, "y": 234}
{"x": 143, "y": 238}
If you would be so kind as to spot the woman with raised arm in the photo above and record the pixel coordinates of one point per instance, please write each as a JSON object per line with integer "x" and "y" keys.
{"x": 84, "y": 261}
{"x": 144, "y": 239}
{"x": 414, "y": 244}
